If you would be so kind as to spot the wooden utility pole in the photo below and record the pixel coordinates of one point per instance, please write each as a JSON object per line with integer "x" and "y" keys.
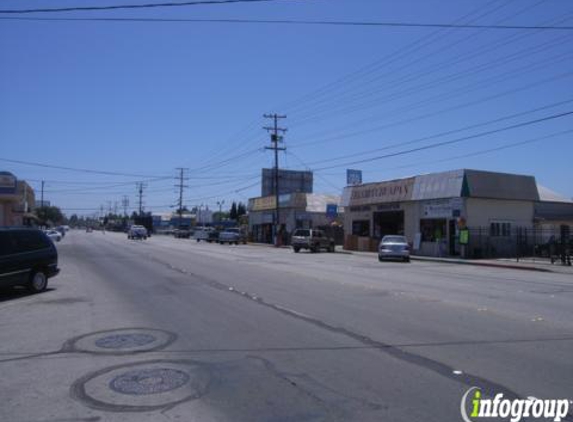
{"x": 181, "y": 186}
{"x": 275, "y": 139}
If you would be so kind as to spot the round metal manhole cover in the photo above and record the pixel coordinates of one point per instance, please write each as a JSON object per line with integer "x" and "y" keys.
{"x": 149, "y": 381}
{"x": 121, "y": 341}
{"x": 124, "y": 341}
{"x": 143, "y": 386}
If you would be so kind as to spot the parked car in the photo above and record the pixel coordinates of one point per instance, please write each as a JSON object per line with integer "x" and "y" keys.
{"x": 233, "y": 235}
{"x": 206, "y": 234}
{"x": 394, "y": 247}
{"x": 137, "y": 232}
{"x": 54, "y": 235}
{"x": 27, "y": 257}
{"x": 311, "y": 239}
{"x": 182, "y": 233}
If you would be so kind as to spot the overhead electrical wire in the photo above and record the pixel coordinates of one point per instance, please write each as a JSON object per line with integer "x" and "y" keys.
{"x": 443, "y": 133}
{"x": 330, "y": 90}
{"x": 484, "y": 151}
{"x": 297, "y": 22}
{"x": 487, "y": 48}
{"x": 133, "y": 6}
{"x": 455, "y": 107}
{"x": 454, "y": 141}
{"x": 313, "y": 113}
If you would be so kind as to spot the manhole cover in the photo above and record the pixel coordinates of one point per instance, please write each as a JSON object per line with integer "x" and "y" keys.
{"x": 149, "y": 381}
{"x": 143, "y": 386}
{"x": 123, "y": 341}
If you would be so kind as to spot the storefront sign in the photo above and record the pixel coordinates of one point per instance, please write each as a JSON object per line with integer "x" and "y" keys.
{"x": 7, "y": 184}
{"x": 375, "y": 193}
{"x": 263, "y": 203}
{"x": 442, "y": 208}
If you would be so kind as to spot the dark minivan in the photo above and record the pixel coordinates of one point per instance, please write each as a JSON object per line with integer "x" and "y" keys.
{"x": 27, "y": 258}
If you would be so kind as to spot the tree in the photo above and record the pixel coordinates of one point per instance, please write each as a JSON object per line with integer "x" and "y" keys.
{"x": 49, "y": 215}
{"x": 241, "y": 209}
{"x": 233, "y": 213}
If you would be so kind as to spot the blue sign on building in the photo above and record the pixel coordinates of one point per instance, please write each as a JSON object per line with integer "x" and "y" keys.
{"x": 331, "y": 210}
{"x": 353, "y": 177}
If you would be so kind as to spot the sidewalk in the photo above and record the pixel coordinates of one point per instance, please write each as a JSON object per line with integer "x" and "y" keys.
{"x": 527, "y": 264}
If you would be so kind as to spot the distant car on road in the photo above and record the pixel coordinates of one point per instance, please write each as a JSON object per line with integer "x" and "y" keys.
{"x": 89, "y": 229}
{"x": 206, "y": 234}
{"x": 27, "y": 257}
{"x": 232, "y": 235}
{"x": 137, "y": 232}
{"x": 311, "y": 239}
{"x": 55, "y": 235}
{"x": 182, "y": 233}
{"x": 394, "y": 247}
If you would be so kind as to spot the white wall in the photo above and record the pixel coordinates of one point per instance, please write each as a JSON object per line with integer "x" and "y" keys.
{"x": 480, "y": 212}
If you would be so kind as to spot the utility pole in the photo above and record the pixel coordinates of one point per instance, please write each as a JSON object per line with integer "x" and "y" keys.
{"x": 220, "y": 204}
{"x": 125, "y": 204}
{"x": 140, "y": 187}
{"x": 181, "y": 186}
{"x": 42, "y": 196}
{"x": 275, "y": 139}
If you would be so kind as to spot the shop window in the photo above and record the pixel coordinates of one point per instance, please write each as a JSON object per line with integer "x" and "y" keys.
{"x": 500, "y": 229}
{"x": 361, "y": 228}
{"x": 433, "y": 229}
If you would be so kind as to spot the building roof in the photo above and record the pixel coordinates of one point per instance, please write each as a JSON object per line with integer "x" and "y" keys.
{"x": 548, "y": 195}
{"x": 450, "y": 184}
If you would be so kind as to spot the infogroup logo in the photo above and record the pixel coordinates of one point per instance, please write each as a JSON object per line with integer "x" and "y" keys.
{"x": 514, "y": 410}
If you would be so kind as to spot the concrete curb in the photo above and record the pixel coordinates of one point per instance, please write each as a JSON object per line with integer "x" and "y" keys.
{"x": 484, "y": 264}
{"x": 467, "y": 262}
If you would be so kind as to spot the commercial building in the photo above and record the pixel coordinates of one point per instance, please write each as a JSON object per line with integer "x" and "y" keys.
{"x": 297, "y": 210}
{"x": 432, "y": 209}
{"x": 17, "y": 201}
{"x": 8, "y": 198}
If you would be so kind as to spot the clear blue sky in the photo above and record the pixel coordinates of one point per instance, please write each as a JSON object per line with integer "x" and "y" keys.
{"x": 145, "y": 98}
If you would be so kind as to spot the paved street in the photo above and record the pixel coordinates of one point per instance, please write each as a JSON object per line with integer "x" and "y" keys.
{"x": 171, "y": 329}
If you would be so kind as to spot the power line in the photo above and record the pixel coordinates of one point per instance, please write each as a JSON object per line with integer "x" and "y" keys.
{"x": 299, "y": 22}
{"x": 81, "y": 170}
{"x": 485, "y": 151}
{"x": 355, "y": 101}
{"x": 454, "y": 141}
{"x": 133, "y": 6}
{"x": 441, "y": 134}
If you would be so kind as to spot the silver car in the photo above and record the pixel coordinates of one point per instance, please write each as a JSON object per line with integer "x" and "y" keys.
{"x": 394, "y": 247}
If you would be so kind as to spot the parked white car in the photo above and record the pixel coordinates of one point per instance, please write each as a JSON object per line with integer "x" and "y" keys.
{"x": 55, "y": 235}
{"x": 394, "y": 247}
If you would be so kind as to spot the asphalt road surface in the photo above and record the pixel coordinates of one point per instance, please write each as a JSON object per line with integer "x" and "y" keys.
{"x": 170, "y": 329}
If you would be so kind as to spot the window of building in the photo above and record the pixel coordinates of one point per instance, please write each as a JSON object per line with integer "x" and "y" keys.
{"x": 500, "y": 229}
{"x": 361, "y": 228}
{"x": 433, "y": 229}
